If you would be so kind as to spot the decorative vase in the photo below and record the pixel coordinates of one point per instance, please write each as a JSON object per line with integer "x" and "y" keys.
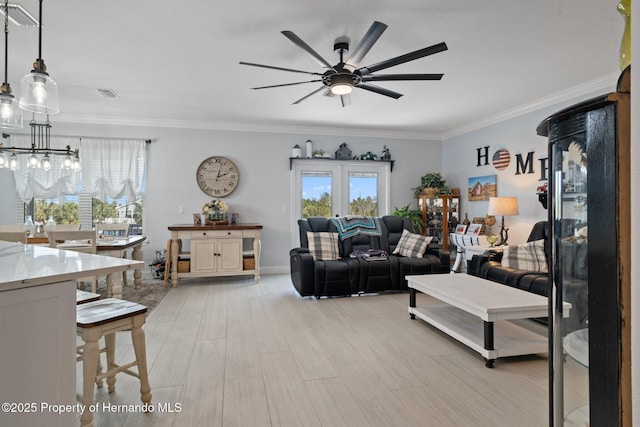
{"x": 29, "y": 226}
{"x": 492, "y": 239}
{"x": 624, "y": 7}
{"x": 49, "y": 225}
{"x": 466, "y": 221}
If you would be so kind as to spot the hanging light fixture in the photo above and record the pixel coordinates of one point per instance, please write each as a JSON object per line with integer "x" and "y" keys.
{"x": 10, "y": 114}
{"x": 40, "y": 151}
{"x": 39, "y": 91}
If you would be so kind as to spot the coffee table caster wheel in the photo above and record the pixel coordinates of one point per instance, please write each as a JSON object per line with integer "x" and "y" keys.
{"x": 489, "y": 363}
{"x": 413, "y": 316}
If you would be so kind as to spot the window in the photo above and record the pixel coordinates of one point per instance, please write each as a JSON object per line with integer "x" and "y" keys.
{"x": 338, "y": 188}
{"x": 113, "y": 170}
{"x": 70, "y": 211}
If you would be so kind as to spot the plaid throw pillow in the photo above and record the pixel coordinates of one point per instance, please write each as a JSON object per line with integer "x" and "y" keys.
{"x": 412, "y": 245}
{"x": 323, "y": 245}
{"x": 528, "y": 257}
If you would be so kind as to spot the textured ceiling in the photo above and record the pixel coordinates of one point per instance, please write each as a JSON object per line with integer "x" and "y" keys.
{"x": 176, "y": 63}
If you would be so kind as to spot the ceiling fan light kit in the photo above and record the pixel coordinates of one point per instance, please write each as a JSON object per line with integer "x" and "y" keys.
{"x": 342, "y": 78}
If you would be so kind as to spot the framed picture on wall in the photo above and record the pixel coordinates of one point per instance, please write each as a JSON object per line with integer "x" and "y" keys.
{"x": 482, "y": 187}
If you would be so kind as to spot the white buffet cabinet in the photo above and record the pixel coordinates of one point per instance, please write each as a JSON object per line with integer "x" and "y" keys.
{"x": 38, "y": 329}
{"x": 215, "y": 250}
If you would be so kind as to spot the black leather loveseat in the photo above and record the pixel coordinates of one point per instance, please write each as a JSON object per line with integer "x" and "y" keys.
{"x": 346, "y": 275}
{"x": 489, "y": 266}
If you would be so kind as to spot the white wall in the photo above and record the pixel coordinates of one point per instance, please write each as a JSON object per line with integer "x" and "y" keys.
{"x": 517, "y": 135}
{"x": 263, "y": 192}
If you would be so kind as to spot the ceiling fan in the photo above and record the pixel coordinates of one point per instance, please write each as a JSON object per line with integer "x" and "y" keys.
{"x": 340, "y": 79}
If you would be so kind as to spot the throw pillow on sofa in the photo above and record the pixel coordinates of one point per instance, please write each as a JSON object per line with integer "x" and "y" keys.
{"x": 412, "y": 245}
{"x": 528, "y": 256}
{"x": 323, "y": 245}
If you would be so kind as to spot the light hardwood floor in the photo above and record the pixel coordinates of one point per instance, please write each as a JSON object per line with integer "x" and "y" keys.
{"x": 236, "y": 353}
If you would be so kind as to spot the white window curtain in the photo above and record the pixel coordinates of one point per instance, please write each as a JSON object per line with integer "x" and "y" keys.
{"x": 113, "y": 167}
{"x": 56, "y": 182}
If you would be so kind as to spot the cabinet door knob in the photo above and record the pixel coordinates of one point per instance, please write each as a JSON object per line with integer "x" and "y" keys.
{"x": 204, "y": 233}
{"x": 228, "y": 233}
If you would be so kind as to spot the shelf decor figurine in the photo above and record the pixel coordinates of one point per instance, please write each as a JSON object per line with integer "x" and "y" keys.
{"x": 296, "y": 152}
{"x": 309, "y": 149}
{"x": 343, "y": 152}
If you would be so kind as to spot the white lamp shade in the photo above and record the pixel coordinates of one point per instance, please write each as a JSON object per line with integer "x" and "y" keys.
{"x": 39, "y": 93}
{"x": 10, "y": 112}
{"x": 504, "y": 206}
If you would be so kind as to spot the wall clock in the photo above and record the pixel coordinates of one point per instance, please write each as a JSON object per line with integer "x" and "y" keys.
{"x": 217, "y": 176}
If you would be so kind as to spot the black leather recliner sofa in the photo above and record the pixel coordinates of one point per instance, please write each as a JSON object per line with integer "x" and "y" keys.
{"x": 347, "y": 276}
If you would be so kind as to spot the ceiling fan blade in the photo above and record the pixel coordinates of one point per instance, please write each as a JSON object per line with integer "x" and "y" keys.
{"x": 396, "y": 77}
{"x": 346, "y": 100}
{"x": 301, "y": 44}
{"x": 280, "y": 68}
{"x": 285, "y": 84}
{"x": 380, "y": 90}
{"x": 328, "y": 93}
{"x": 308, "y": 95}
{"x": 367, "y": 42}
{"x": 403, "y": 58}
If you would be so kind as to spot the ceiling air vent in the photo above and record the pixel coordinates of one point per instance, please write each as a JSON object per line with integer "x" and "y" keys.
{"x": 107, "y": 93}
{"x": 19, "y": 16}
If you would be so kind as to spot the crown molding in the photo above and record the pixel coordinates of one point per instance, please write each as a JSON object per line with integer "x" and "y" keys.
{"x": 605, "y": 83}
{"x": 249, "y": 127}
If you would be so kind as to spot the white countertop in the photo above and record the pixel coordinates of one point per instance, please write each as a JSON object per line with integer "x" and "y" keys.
{"x": 24, "y": 266}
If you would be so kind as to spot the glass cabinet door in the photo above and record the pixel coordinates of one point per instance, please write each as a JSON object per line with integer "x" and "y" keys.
{"x": 570, "y": 280}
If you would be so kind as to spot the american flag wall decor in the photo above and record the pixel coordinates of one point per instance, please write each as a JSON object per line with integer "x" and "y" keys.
{"x": 501, "y": 159}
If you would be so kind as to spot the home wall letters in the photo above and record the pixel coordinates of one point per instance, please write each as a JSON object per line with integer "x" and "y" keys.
{"x": 524, "y": 165}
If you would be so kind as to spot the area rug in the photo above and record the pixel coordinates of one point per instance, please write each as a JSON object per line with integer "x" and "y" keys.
{"x": 150, "y": 292}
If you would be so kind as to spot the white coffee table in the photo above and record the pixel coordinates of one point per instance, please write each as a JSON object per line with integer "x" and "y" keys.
{"x": 476, "y": 312}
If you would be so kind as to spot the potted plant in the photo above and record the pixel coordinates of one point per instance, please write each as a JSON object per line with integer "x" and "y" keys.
{"x": 414, "y": 215}
{"x": 432, "y": 180}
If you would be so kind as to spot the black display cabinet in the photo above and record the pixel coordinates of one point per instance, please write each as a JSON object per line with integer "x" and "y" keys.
{"x": 589, "y": 217}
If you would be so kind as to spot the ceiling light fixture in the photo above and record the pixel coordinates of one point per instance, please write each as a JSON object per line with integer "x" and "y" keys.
{"x": 10, "y": 113}
{"x": 39, "y": 91}
{"x": 40, "y": 151}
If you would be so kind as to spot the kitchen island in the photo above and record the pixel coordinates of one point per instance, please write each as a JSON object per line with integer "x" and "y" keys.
{"x": 38, "y": 328}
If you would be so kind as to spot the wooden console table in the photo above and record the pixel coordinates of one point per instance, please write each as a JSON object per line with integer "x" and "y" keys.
{"x": 216, "y": 250}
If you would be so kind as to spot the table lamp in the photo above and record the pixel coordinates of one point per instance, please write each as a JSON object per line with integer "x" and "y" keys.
{"x": 504, "y": 206}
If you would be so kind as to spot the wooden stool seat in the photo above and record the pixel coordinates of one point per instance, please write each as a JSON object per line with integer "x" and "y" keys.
{"x": 101, "y": 318}
{"x": 83, "y": 297}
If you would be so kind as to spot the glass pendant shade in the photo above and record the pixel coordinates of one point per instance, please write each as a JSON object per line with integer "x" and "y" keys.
{"x": 13, "y": 162}
{"x": 34, "y": 162}
{"x": 46, "y": 163}
{"x": 39, "y": 93}
{"x": 10, "y": 113}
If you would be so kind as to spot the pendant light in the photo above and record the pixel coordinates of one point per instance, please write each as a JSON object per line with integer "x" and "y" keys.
{"x": 10, "y": 114}
{"x": 39, "y": 91}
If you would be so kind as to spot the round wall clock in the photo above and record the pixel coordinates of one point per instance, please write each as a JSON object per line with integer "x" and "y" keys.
{"x": 217, "y": 176}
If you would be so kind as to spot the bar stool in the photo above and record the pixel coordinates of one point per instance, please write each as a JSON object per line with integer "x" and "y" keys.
{"x": 104, "y": 318}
